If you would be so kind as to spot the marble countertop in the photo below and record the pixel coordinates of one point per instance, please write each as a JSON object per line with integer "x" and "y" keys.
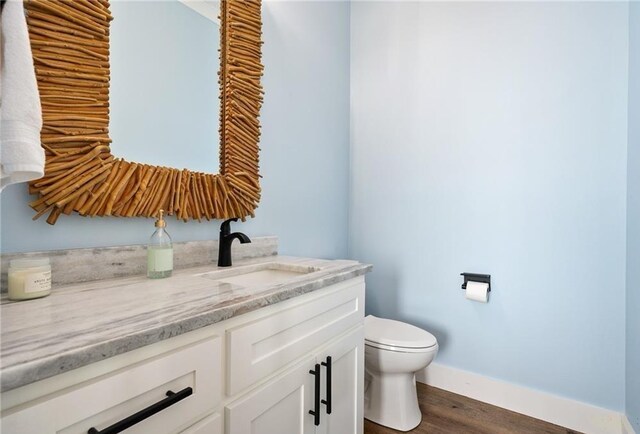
{"x": 84, "y": 323}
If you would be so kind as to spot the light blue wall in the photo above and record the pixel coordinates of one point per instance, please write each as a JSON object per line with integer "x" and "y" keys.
{"x": 304, "y": 158}
{"x": 491, "y": 138}
{"x": 633, "y": 224}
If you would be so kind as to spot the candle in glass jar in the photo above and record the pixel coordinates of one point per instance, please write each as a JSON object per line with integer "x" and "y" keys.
{"x": 29, "y": 278}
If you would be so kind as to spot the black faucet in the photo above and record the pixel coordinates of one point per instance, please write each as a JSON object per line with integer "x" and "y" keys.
{"x": 226, "y": 238}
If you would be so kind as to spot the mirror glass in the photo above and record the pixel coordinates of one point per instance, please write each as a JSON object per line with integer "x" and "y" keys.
{"x": 164, "y": 83}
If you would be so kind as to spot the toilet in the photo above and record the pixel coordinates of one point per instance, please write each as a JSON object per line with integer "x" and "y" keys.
{"x": 394, "y": 351}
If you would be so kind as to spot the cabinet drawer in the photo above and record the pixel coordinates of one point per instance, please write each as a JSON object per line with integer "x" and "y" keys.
{"x": 104, "y": 401}
{"x": 211, "y": 424}
{"x": 261, "y": 347}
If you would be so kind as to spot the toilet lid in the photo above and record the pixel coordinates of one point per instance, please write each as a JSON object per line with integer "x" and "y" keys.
{"x": 397, "y": 334}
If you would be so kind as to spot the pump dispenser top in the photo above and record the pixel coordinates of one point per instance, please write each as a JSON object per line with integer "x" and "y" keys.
{"x": 160, "y": 223}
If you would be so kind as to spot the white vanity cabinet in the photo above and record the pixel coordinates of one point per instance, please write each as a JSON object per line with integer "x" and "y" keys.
{"x": 283, "y": 405}
{"x": 347, "y": 385}
{"x": 325, "y": 336}
{"x": 280, "y": 406}
{"x": 250, "y": 374}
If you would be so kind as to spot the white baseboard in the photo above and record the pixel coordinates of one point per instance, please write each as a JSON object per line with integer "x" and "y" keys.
{"x": 626, "y": 426}
{"x": 565, "y": 412}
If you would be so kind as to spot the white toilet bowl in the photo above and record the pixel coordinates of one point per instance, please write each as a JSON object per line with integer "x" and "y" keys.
{"x": 394, "y": 351}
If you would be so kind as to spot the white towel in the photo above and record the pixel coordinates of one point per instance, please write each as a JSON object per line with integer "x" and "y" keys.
{"x": 21, "y": 155}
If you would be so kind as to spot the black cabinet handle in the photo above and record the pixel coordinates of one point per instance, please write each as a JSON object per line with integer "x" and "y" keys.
{"x": 145, "y": 413}
{"x": 327, "y": 402}
{"x": 316, "y": 392}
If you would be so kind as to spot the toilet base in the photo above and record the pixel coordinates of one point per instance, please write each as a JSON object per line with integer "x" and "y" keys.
{"x": 391, "y": 400}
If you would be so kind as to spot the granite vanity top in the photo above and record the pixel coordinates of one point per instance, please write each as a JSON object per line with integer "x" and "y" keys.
{"x": 87, "y": 322}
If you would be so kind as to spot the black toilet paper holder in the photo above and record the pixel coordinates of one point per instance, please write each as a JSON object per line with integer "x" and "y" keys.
{"x": 475, "y": 277}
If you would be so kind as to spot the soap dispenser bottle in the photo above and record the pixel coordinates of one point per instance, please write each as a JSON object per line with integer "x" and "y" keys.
{"x": 160, "y": 251}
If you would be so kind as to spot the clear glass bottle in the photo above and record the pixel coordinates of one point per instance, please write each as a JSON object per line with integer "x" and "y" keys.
{"x": 160, "y": 251}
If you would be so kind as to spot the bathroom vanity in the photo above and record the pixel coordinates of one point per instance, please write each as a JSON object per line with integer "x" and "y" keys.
{"x": 271, "y": 345}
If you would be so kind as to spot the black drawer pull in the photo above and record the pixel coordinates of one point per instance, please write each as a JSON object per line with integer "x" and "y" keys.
{"x": 145, "y": 413}
{"x": 316, "y": 393}
{"x": 327, "y": 402}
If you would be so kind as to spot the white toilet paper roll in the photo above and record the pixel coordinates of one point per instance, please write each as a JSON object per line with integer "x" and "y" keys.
{"x": 477, "y": 291}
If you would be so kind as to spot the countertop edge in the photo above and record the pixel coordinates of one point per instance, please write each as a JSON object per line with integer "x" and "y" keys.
{"x": 16, "y": 376}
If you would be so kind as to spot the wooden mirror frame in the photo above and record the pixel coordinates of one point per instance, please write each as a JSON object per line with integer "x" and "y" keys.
{"x": 70, "y": 44}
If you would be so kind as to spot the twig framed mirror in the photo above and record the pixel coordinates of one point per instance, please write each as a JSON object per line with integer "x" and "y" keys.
{"x": 70, "y": 44}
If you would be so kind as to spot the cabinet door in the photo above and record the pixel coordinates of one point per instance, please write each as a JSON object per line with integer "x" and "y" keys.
{"x": 280, "y": 406}
{"x": 346, "y": 387}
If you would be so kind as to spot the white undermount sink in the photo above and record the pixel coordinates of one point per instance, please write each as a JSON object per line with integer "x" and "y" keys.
{"x": 259, "y": 274}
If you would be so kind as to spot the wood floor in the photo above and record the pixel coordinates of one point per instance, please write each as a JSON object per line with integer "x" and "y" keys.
{"x": 447, "y": 413}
